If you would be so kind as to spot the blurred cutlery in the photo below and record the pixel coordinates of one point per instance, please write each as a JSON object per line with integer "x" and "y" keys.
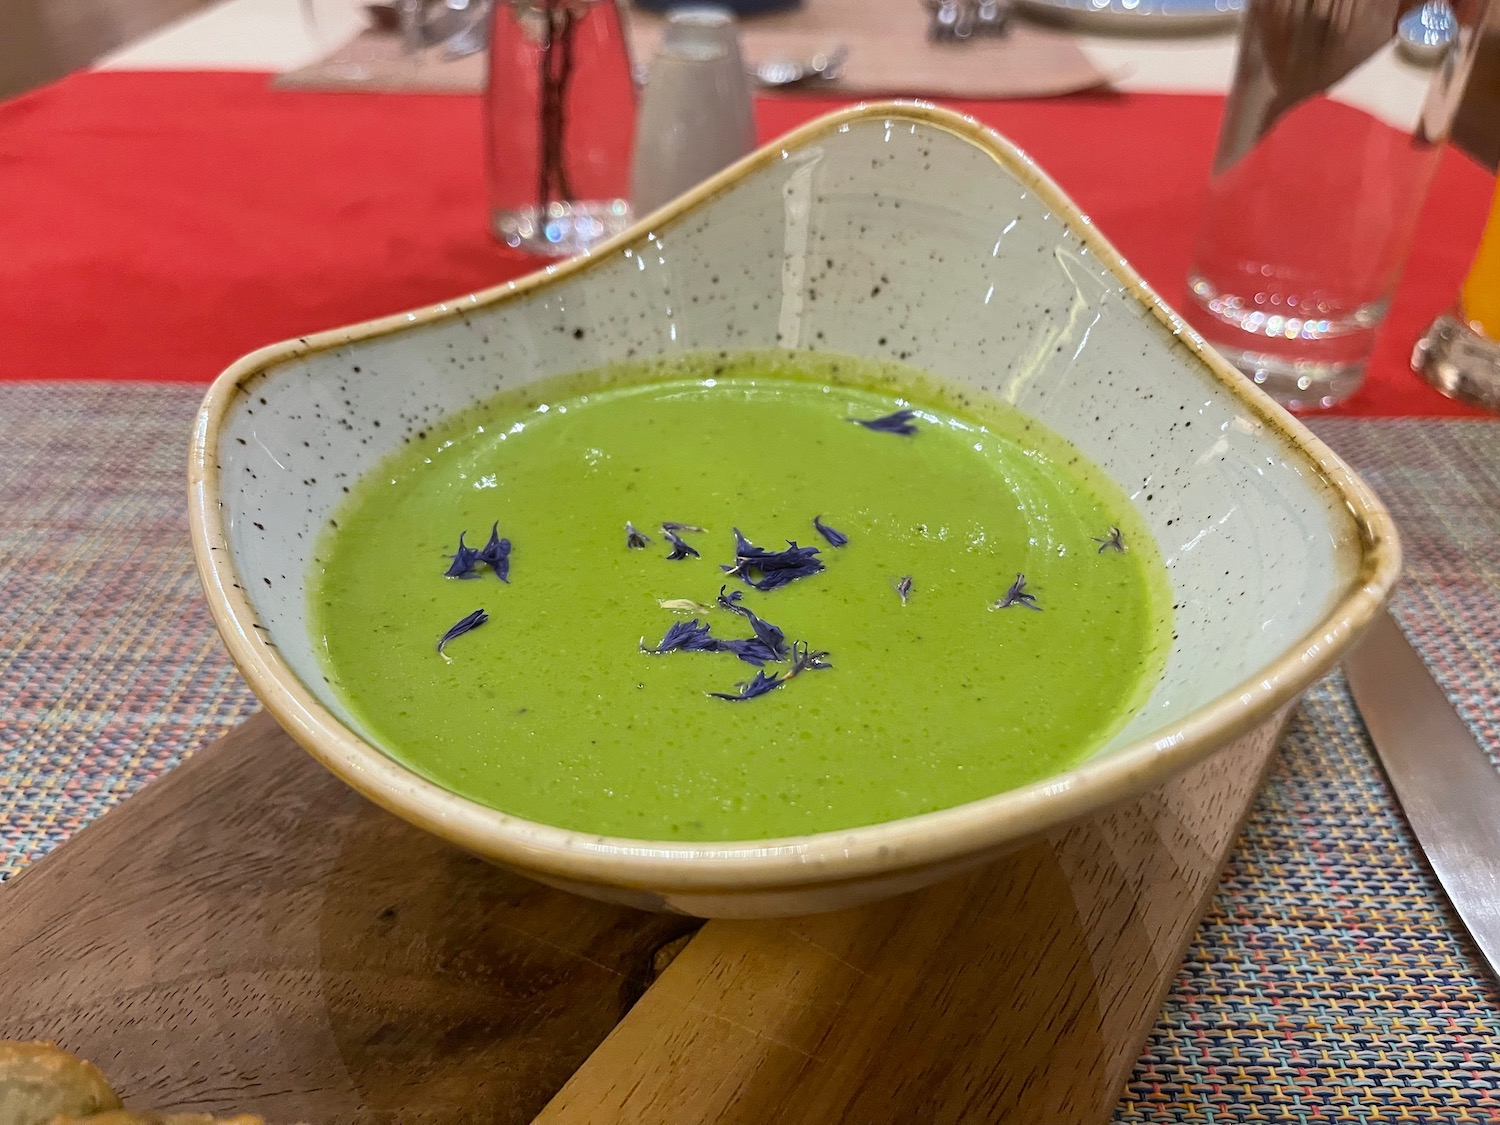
{"x": 425, "y": 23}
{"x": 473, "y": 38}
{"x": 779, "y": 73}
{"x": 959, "y": 20}
{"x": 992, "y": 17}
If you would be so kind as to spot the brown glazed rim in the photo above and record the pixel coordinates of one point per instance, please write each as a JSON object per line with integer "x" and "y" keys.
{"x": 828, "y": 858}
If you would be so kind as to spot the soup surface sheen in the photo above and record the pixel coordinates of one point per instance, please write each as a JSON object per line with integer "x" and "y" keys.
{"x": 552, "y": 711}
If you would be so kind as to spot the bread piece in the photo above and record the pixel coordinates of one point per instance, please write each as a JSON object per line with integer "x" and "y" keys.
{"x": 40, "y": 1081}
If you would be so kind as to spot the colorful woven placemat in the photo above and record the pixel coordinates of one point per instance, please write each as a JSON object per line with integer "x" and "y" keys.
{"x": 110, "y": 669}
{"x": 1328, "y": 983}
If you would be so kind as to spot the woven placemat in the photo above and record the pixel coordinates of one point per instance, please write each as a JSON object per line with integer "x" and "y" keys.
{"x": 110, "y": 669}
{"x": 1326, "y": 985}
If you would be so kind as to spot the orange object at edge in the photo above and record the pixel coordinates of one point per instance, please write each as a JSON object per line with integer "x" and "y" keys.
{"x": 1480, "y": 295}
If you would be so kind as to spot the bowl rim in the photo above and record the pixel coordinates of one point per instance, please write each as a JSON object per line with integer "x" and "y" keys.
{"x": 833, "y": 857}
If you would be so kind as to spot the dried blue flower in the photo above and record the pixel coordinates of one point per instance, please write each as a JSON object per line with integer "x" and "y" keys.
{"x": 751, "y": 688}
{"x": 772, "y": 579}
{"x": 685, "y": 636}
{"x": 694, "y": 636}
{"x": 464, "y": 625}
{"x": 903, "y": 587}
{"x": 752, "y": 650}
{"x": 680, "y": 548}
{"x": 805, "y": 659}
{"x": 766, "y": 570}
{"x": 463, "y": 560}
{"x": 767, "y": 634}
{"x": 1114, "y": 541}
{"x": 496, "y": 554}
{"x": 835, "y": 537}
{"x": 634, "y": 540}
{"x": 1017, "y": 595}
{"x": 772, "y": 639}
{"x": 898, "y": 423}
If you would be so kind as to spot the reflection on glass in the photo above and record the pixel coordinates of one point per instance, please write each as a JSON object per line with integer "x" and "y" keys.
{"x": 1328, "y": 144}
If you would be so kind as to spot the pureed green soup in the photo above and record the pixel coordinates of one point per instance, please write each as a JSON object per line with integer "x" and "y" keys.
{"x": 949, "y": 677}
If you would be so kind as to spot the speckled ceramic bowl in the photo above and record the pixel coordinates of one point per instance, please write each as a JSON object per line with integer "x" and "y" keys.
{"x": 889, "y": 231}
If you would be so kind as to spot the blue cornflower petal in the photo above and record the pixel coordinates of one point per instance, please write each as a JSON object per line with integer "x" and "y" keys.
{"x": 770, "y": 637}
{"x": 775, "y": 579}
{"x": 1114, "y": 541}
{"x": 751, "y": 688}
{"x": 752, "y": 650}
{"x": 835, "y": 537}
{"x": 685, "y": 636}
{"x": 463, "y": 560}
{"x": 464, "y": 625}
{"x": 766, "y": 570}
{"x": 496, "y": 554}
{"x": 805, "y": 659}
{"x": 680, "y": 548}
{"x": 1017, "y": 595}
{"x": 898, "y": 423}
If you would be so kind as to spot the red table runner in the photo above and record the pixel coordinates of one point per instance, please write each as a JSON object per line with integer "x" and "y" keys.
{"x": 157, "y": 225}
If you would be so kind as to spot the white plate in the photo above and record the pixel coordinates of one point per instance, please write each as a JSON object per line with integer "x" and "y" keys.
{"x": 1153, "y": 17}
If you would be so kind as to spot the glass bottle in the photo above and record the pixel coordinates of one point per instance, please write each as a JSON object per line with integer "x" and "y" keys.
{"x": 560, "y": 121}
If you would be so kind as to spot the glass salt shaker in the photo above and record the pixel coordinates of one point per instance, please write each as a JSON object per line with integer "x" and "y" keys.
{"x": 560, "y": 119}
{"x": 696, "y": 114}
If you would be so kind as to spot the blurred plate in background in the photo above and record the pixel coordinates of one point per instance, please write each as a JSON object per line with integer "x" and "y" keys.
{"x": 1154, "y": 17}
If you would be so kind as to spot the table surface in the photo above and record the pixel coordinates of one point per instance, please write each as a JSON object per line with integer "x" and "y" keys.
{"x": 1330, "y": 982}
{"x": 277, "y": 35}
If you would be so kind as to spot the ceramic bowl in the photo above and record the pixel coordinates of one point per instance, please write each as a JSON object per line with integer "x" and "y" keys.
{"x": 892, "y": 231}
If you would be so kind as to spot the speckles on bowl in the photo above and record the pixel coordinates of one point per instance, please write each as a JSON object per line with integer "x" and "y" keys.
{"x": 845, "y": 253}
{"x": 834, "y": 245}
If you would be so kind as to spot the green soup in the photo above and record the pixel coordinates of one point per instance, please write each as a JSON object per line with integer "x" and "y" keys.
{"x": 551, "y": 709}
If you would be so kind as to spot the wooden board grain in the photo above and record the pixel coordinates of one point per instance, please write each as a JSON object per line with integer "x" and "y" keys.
{"x": 1022, "y": 992}
{"x": 249, "y": 935}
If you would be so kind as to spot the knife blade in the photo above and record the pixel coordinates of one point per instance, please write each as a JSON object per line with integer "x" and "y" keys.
{"x": 1445, "y": 782}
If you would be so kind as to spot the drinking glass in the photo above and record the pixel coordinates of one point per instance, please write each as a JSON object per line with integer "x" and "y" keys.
{"x": 560, "y": 119}
{"x": 1460, "y": 352}
{"x": 1329, "y": 141}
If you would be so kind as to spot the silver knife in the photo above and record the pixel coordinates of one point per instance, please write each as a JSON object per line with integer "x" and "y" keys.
{"x": 1444, "y": 780}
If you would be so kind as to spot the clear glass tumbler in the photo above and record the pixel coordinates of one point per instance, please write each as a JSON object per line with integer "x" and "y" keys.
{"x": 560, "y": 122}
{"x": 1329, "y": 141}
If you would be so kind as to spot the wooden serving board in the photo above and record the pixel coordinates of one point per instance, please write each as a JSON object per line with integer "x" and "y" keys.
{"x": 247, "y": 934}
